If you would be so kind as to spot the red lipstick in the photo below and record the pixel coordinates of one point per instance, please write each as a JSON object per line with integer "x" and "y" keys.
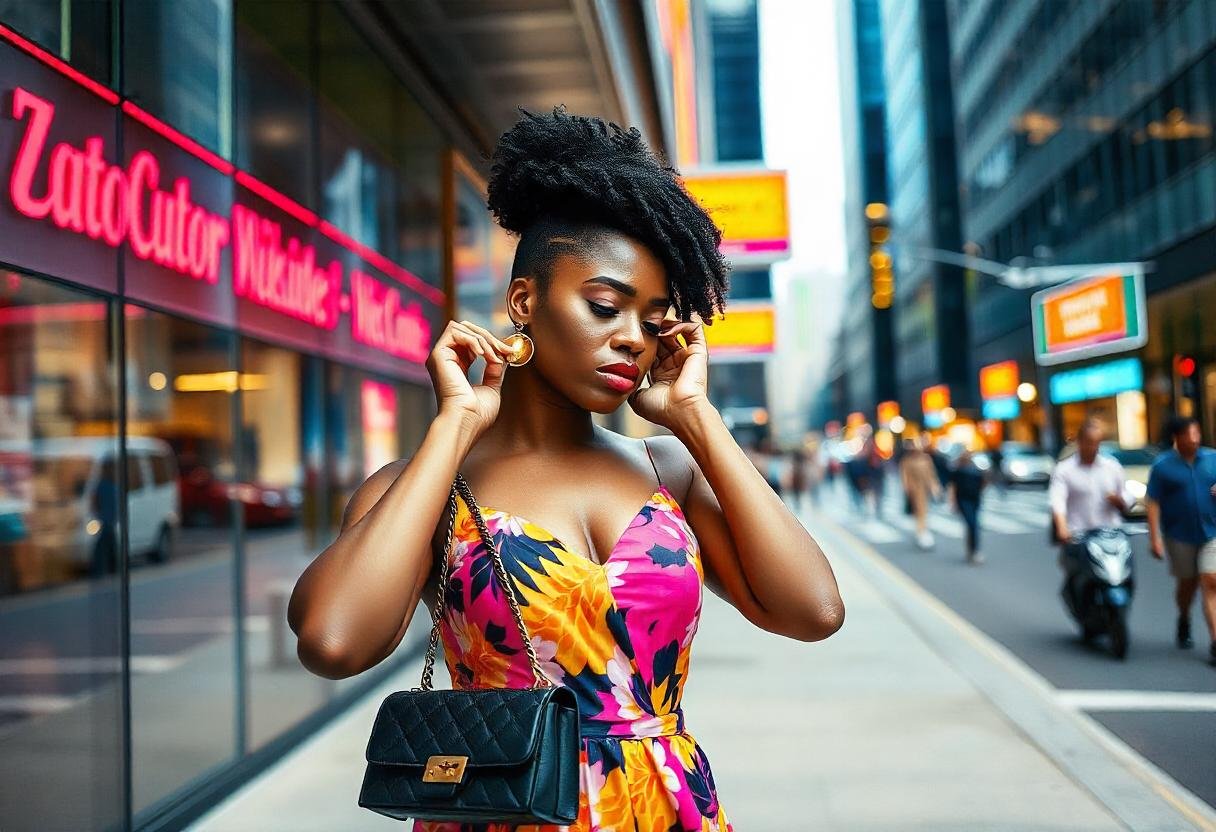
{"x": 620, "y": 377}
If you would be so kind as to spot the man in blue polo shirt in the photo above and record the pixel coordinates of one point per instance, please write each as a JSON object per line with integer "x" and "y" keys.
{"x": 1182, "y": 523}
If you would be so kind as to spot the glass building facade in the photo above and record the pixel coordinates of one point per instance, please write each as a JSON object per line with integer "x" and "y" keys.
{"x": 1086, "y": 136}
{"x": 930, "y": 307}
{"x": 223, "y": 259}
{"x": 864, "y": 360}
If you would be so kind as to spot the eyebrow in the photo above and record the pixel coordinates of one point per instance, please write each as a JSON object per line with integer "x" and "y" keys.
{"x": 625, "y": 289}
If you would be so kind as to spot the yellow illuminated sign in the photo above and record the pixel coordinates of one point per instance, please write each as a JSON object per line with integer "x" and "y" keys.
{"x": 742, "y": 331}
{"x": 750, "y": 208}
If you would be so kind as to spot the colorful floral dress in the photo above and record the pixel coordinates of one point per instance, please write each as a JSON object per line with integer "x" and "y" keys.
{"x": 618, "y": 634}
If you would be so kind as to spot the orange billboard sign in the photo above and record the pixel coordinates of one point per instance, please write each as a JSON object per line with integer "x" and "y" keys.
{"x": 935, "y": 399}
{"x": 886, "y": 412}
{"x": 999, "y": 381}
{"x": 1092, "y": 316}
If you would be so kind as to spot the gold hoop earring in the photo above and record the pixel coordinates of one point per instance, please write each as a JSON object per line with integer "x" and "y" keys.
{"x": 521, "y": 346}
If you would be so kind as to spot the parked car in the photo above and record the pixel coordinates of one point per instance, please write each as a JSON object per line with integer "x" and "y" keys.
{"x": 1024, "y": 464}
{"x": 75, "y": 489}
{"x": 208, "y": 492}
{"x": 1136, "y": 463}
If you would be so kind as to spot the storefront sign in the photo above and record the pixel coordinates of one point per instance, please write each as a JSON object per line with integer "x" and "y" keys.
{"x": 1097, "y": 381}
{"x": 886, "y": 412}
{"x": 999, "y": 390}
{"x": 195, "y": 235}
{"x": 750, "y": 208}
{"x": 744, "y": 331}
{"x": 1092, "y": 316}
{"x": 934, "y": 400}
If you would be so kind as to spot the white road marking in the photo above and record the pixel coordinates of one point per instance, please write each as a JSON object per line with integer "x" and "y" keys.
{"x": 1136, "y": 700}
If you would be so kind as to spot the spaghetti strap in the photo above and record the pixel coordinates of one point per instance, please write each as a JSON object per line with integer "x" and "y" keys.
{"x": 652, "y": 465}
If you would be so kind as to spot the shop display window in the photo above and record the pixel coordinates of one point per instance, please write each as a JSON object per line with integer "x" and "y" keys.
{"x": 61, "y": 740}
{"x": 181, "y": 381}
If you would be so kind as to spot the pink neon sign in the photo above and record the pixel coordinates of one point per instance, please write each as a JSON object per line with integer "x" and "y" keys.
{"x": 90, "y": 196}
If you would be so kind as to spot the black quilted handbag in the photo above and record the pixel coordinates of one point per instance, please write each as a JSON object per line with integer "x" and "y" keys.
{"x": 475, "y": 756}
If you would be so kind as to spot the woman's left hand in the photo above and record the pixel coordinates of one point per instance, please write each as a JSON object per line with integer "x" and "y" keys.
{"x": 679, "y": 377}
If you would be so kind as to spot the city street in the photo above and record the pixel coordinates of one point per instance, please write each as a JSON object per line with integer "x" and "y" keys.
{"x": 908, "y": 719}
{"x": 1161, "y": 701}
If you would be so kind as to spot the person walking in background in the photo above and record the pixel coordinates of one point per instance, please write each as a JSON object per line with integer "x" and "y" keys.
{"x": 1181, "y": 502}
{"x": 920, "y": 481}
{"x": 941, "y": 463}
{"x": 797, "y": 469}
{"x": 967, "y": 488}
{"x": 998, "y": 470}
{"x": 877, "y": 465}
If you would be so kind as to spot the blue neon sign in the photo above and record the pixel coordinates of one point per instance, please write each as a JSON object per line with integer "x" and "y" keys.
{"x": 1006, "y": 408}
{"x": 1097, "y": 381}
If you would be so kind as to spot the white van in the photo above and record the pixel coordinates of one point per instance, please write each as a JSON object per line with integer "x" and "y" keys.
{"x": 74, "y": 486}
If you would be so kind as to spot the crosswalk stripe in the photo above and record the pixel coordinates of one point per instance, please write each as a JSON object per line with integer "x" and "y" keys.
{"x": 1136, "y": 700}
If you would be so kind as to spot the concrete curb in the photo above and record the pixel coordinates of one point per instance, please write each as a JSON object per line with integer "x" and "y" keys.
{"x": 1139, "y": 794}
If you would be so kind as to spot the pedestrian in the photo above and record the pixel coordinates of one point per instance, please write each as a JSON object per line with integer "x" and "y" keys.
{"x": 997, "y": 469}
{"x": 1181, "y": 502}
{"x": 966, "y": 490}
{"x": 921, "y": 484}
{"x": 877, "y": 465}
{"x": 571, "y": 601}
{"x": 941, "y": 462}
{"x": 799, "y": 476}
{"x": 858, "y": 475}
{"x": 1087, "y": 491}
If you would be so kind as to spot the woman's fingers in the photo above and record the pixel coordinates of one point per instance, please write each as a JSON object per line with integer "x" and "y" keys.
{"x": 498, "y": 343}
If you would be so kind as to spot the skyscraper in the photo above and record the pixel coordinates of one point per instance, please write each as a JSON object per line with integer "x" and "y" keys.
{"x": 930, "y": 312}
{"x": 864, "y": 363}
{"x": 1086, "y": 136}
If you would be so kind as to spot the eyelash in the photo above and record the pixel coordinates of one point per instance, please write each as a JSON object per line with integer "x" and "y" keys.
{"x": 608, "y": 312}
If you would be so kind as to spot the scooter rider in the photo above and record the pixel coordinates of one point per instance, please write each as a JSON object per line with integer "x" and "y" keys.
{"x": 1087, "y": 491}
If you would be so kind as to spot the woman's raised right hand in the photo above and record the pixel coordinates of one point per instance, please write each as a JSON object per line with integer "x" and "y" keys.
{"x": 458, "y": 346}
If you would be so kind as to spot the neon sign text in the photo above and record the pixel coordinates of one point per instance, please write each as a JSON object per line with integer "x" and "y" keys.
{"x": 286, "y": 279}
{"x": 86, "y": 194}
{"x": 378, "y": 319}
{"x": 90, "y": 196}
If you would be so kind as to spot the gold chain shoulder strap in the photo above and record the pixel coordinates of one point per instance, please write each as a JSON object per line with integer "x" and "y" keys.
{"x": 500, "y": 572}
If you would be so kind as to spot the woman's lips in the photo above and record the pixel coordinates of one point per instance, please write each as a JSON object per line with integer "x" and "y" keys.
{"x": 618, "y": 383}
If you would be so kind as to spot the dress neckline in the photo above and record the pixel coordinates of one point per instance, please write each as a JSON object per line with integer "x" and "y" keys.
{"x": 660, "y": 491}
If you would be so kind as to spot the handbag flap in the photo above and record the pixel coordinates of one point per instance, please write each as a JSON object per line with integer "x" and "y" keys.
{"x": 492, "y": 727}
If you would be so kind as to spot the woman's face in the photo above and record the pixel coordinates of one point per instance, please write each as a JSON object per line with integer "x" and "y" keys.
{"x": 596, "y": 332}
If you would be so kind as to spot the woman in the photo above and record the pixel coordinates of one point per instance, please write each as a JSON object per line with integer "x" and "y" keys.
{"x": 919, "y": 478}
{"x": 608, "y": 242}
{"x": 966, "y": 488}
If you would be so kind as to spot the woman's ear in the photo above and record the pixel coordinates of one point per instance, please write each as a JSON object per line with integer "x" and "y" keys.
{"x": 521, "y": 295}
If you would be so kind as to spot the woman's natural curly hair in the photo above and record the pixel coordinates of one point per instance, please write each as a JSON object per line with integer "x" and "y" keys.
{"x": 566, "y": 176}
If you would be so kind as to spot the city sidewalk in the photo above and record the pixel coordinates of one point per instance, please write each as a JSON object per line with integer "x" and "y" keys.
{"x": 908, "y": 719}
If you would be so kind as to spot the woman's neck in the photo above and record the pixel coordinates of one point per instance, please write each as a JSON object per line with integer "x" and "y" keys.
{"x": 534, "y": 416}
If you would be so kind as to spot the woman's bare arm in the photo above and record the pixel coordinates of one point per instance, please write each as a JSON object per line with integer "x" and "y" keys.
{"x": 757, "y": 554}
{"x": 351, "y": 606}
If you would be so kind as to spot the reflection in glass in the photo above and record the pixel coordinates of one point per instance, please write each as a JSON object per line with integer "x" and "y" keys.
{"x": 177, "y": 60}
{"x": 276, "y": 426}
{"x": 77, "y": 30}
{"x": 180, "y": 468}
{"x": 61, "y": 764}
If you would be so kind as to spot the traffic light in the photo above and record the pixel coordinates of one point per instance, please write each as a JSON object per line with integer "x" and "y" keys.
{"x": 1184, "y": 367}
{"x": 882, "y": 275}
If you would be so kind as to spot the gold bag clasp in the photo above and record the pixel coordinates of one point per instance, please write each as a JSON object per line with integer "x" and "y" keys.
{"x": 444, "y": 769}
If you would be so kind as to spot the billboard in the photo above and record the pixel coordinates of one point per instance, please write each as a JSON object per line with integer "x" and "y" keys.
{"x": 1092, "y": 316}
{"x": 999, "y": 390}
{"x": 743, "y": 331}
{"x": 749, "y": 205}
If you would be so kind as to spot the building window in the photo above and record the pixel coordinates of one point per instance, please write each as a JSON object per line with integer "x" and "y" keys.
{"x": 59, "y": 548}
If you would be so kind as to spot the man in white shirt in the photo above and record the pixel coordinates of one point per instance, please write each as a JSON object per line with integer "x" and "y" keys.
{"x": 1088, "y": 490}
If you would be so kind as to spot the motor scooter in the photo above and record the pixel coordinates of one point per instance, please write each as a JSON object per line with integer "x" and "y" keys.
{"x": 1099, "y": 584}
